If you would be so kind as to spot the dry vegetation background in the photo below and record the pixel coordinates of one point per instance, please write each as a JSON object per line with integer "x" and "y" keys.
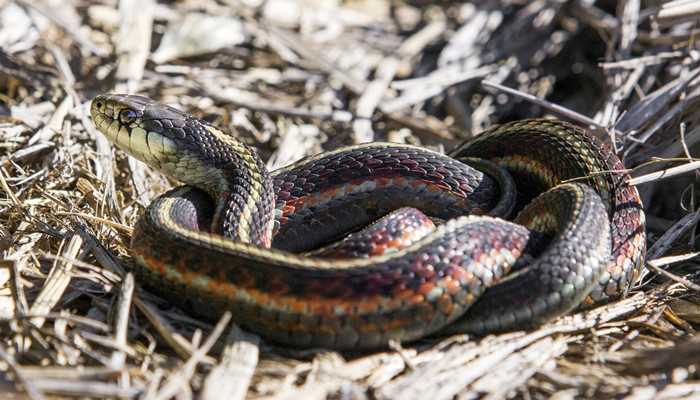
{"x": 295, "y": 77}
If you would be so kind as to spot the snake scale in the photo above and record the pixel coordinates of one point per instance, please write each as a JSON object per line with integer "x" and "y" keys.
{"x": 238, "y": 237}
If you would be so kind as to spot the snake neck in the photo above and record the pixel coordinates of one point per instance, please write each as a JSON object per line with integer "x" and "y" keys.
{"x": 237, "y": 179}
{"x": 245, "y": 203}
{"x": 232, "y": 173}
{"x": 198, "y": 154}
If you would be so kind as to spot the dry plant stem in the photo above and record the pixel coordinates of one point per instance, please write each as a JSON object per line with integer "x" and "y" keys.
{"x": 519, "y": 367}
{"x": 652, "y": 105}
{"x": 230, "y": 378}
{"x": 487, "y": 357}
{"x": 127, "y": 230}
{"x": 546, "y": 104}
{"x": 31, "y": 390}
{"x": 663, "y": 261}
{"x": 415, "y": 43}
{"x": 274, "y": 109}
{"x": 26, "y": 153}
{"x": 674, "y": 277}
{"x": 17, "y": 288}
{"x": 304, "y": 78}
{"x": 421, "y": 90}
{"x": 678, "y": 11}
{"x": 671, "y": 114}
{"x": 634, "y": 63}
{"x": 122, "y": 321}
{"x": 669, "y": 237}
{"x": 369, "y": 100}
{"x": 58, "y": 280}
{"x": 179, "y": 344}
{"x": 665, "y": 174}
{"x": 134, "y": 40}
{"x": 75, "y": 319}
{"x": 173, "y": 385}
{"x": 297, "y": 44}
{"x": 55, "y": 123}
{"x": 104, "y": 258}
{"x": 96, "y": 389}
{"x": 45, "y": 9}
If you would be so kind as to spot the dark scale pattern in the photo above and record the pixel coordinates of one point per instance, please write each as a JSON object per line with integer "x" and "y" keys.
{"x": 436, "y": 281}
{"x": 562, "y": 275}
{"x": 402, "y": 295}
{"x": 393, "y": 232}
{"x": 348, "y": 189}
{"x": 542, "y": 153}
{"x": 240, "y": 175}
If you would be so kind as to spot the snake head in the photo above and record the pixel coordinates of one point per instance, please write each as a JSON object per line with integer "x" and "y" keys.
{"x": 171, "y": 141}
{"x": 163, "y": 137}
{"x": 153, "y": 133}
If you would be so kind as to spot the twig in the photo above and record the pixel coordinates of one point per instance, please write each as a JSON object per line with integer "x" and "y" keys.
{"x": 171, "y": 386}
{"x": 664, "y": 174}
{"x": 573, "y": 115}
{"x": 690, "y": 285}
{"x": 32, "y": 390}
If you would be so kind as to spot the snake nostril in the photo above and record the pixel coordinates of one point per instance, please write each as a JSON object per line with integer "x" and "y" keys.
{"x": 98, "y": 104}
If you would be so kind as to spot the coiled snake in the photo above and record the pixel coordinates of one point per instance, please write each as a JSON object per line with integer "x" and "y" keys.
{"x": 233, "y": 239}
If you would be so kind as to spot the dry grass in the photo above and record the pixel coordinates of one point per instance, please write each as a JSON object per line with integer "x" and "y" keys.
{"x": 294, "y": 78}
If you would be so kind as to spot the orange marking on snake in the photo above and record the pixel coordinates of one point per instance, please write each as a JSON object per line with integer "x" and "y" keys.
{"x": 451, "y": 285}
{"x": 154, "y": 264}
{"x": 220, "y": 286}
{"x": 445, "y": 304}
{"x": 404, "y": 294}
{"x": 425, "y": 288}
{"x": 462, "y": 276}
{"x": 416, "y": 298}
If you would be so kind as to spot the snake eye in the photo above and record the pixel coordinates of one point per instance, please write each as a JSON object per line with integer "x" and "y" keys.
{"x": 127, "y": 116}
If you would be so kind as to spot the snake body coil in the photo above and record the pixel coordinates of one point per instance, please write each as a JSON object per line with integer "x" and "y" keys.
{"x": 584, "y": 238}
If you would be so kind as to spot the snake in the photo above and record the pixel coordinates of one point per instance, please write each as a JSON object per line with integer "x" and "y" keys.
{"x": 237, "y": 237}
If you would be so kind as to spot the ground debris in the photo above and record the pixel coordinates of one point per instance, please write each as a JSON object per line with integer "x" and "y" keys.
{"x": 297, "y": 77}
